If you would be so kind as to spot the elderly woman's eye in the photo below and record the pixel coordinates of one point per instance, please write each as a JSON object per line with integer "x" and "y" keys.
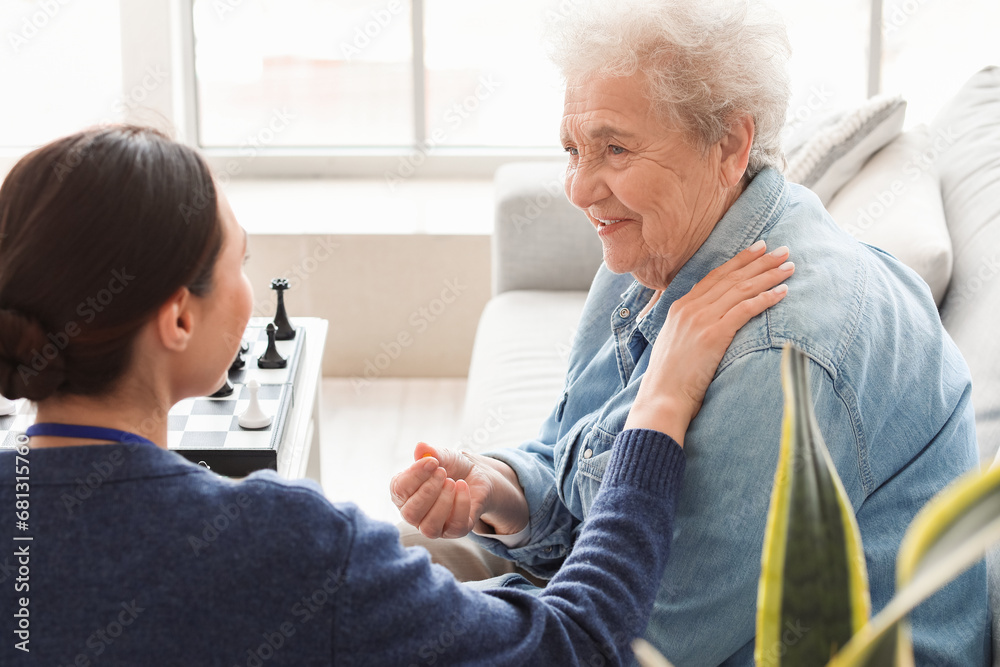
{"x": 572, "y": 151}
{"x": 616, "y": 150}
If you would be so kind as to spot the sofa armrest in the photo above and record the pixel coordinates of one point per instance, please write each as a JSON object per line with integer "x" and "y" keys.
{"x": 518, "y": 366}
{"x": 540, "y": 240}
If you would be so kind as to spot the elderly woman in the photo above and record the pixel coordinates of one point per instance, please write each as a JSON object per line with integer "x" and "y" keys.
{"x": 672, "y": 117}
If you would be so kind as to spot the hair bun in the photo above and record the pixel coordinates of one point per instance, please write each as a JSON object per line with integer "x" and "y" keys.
{"x": 32, "y": 363}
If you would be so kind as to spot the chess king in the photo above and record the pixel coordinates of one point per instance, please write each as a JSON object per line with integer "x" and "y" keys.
{"x": 173, "y": 564}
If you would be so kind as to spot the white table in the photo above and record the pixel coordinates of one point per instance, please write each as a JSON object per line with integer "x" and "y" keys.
{"x": 299, "y": 453}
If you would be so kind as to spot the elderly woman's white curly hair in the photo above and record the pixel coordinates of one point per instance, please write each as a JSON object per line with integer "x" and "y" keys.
{"x": 703, "y": 60}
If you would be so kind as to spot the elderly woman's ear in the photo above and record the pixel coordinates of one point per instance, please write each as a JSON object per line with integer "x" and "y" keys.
{"x": 735, "y": 150}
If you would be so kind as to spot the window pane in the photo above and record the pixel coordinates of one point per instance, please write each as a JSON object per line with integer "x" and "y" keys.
{"x": 332, "y": 72}
{"x": 828, "y": 67}
{"x": 61, "y": 68}
{"x": 932, "y": 48}
{"x": 829, "y": 63}
{"x": 489, "y": 81}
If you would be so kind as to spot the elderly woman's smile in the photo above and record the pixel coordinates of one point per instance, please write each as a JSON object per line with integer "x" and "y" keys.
{"x": 653, "y": 195}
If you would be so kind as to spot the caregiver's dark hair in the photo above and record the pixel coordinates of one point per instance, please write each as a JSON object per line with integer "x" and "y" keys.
{"x": 97, "y": 231}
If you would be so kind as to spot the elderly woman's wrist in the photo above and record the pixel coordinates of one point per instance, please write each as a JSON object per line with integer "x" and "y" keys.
{"x": 507, "y": 508}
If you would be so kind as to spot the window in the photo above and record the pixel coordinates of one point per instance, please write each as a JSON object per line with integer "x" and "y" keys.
{"x": 339, "y": 70}
{"x": 829, "y": 62}
{"x": 491, "y": 87}
{"x": 932, "y": 47}
{"x": 347, "y": 71}
{"x": 60, "y": 70}
{"x": 393, "y": 88}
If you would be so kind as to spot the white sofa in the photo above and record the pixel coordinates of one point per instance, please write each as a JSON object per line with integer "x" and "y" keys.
{"x": 545, "y": 255}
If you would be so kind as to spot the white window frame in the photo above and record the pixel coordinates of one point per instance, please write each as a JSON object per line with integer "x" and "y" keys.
{"x": 160, "y": 34}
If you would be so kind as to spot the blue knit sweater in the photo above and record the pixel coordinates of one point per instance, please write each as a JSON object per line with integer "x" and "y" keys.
{"x": 139, "y": 557}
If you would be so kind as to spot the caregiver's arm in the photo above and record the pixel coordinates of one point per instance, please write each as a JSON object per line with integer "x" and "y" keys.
{"x": 699, "y": 327}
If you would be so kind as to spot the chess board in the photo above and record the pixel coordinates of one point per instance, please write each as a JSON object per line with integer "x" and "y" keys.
{"x": 13, "y": 425}
{"x": 206, "y": 430}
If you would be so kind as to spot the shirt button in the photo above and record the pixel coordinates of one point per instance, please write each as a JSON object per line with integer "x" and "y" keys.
{"x": 588, "y": 453}
{"x": 624, "y": 312}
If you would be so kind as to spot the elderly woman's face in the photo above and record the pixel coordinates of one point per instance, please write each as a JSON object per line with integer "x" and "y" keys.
{"x": 652, "y": 196}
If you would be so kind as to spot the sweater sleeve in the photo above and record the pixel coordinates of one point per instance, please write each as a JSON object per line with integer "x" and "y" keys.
{"x": 395, "y": 607}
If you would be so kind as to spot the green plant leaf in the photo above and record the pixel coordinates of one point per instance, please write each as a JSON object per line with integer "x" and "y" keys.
{"x": 813, "y": 592}
{"x": 949, "y": 535}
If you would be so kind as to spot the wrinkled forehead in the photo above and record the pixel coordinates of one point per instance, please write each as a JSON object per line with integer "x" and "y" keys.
{"x": 597, "y": 108}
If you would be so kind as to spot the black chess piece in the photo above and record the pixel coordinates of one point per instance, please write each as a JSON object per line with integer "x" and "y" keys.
{"x": 239, "y": 362}
{"x": 285, "y": 330}
{"x": 271, "y": 358}
{"x": 225, "y": 390}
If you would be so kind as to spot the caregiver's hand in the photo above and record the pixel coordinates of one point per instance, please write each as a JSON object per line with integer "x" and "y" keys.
{"x": 697, "y": 332}
{"x": 447, "y": 493}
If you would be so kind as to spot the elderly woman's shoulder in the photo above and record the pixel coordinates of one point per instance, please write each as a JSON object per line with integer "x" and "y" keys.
{"x": 840, "y": 282}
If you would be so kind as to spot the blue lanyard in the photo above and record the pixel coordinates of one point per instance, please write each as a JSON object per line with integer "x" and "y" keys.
{"x": 87, "y": 432}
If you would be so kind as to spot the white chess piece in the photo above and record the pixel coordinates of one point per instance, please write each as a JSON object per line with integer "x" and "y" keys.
{"x": 254, "y": 417}
{"x": 7, "y": 407}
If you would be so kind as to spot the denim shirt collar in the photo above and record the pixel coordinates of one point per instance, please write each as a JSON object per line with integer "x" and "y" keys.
{"x": 746, "y": 220}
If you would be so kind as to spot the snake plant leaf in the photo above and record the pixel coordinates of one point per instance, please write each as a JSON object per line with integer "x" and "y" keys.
{"x": 949, "y": 535}
{"x": 813, "y": 592}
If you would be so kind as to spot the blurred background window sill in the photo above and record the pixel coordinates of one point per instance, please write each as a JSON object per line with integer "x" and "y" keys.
{"x": 341, "y": 206}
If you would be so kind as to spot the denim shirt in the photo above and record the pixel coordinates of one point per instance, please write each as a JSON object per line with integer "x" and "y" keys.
{"x": 892, "y": 398}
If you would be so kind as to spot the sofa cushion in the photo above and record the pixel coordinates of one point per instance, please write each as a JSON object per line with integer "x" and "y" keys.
{"x": 894, "y": 203}
{"x": 826, "y": 153}
{"x": 519, "y": 364}
{"x": 540, "y": 240}
{"x": 969, "y": 164}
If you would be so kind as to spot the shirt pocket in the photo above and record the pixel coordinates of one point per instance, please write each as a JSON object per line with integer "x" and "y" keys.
{"x": 564, "y": 455}
{"x": 593, "y": 461}
{"x": 562, "y": 406}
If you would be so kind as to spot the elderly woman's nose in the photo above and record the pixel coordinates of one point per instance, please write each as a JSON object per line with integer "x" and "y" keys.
{"x": 586, "y": 186}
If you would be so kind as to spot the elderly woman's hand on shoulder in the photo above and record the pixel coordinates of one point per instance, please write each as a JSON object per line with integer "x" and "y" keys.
{"x": 446, "y": 493}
